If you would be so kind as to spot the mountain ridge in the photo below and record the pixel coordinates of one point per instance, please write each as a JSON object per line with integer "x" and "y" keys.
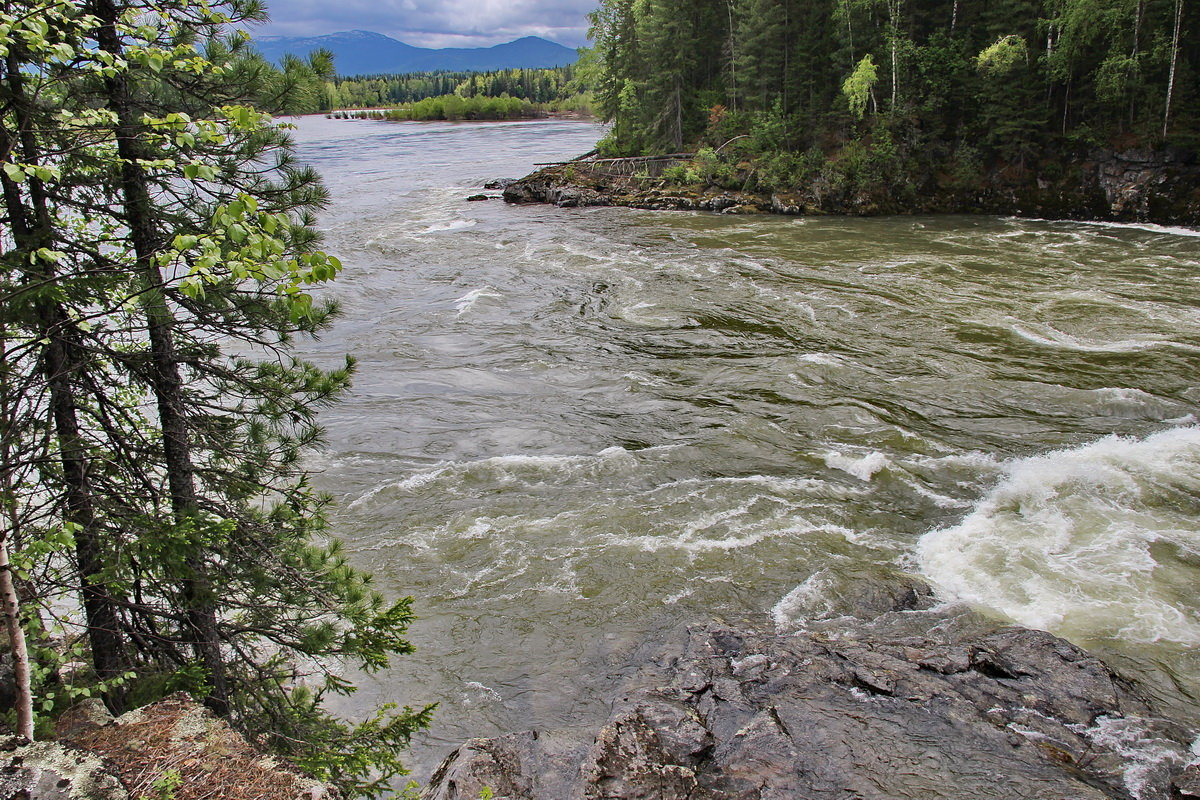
{"x": 360, "y": 52}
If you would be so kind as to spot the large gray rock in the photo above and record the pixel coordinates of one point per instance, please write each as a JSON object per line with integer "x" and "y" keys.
{"x": 921, "y": 704}
{"x": 54, "y": 771}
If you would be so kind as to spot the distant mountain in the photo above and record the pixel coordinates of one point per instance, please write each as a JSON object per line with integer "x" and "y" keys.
{"x": 367, "y": 53}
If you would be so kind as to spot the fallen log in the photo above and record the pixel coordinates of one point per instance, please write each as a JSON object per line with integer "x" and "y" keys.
{"x": 626, "y": 160}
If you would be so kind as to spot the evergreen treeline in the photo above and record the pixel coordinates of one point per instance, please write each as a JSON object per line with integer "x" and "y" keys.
{"x": 954, "y": 82}
{"x": 532, "y": 85}
{"x": 156, "y": 251}
{"x": 452, "y": 107}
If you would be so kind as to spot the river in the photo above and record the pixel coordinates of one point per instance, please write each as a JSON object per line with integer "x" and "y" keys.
{"x": 572, "y": 430}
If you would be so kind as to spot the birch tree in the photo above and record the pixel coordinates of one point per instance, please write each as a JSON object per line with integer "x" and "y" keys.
{"x": 1178, "y": 26}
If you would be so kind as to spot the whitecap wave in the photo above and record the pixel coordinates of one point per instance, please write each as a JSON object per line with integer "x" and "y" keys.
{"x": 823, "y": 359}
{"x": 1170, "y": 230}
{"x": 863, "y": 467}
{"x": 1150, "y": 227}
{"x": 506, "y": 469}
{"x": 812, "y": 599}
{"x": 1048, "y": 336}
{"x": 1150, "y": 759}
{"x": 468, "y": 301}
{"x": 447, "y": 226}
{"x": 1100, "y": 541}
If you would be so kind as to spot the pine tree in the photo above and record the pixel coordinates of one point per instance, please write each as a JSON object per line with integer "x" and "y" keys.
{"x": 157, "y": 220}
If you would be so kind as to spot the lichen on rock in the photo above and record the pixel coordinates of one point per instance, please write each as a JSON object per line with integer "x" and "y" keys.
{"x": 175, "y": 740}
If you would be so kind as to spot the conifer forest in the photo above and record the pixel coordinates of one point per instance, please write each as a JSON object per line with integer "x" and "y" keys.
{"x": 959, "y": 83}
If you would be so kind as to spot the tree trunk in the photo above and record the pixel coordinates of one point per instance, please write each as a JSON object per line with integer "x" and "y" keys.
{"x": 1137, "y": 37}
{"x": 32, "y": 229}
{"x": 733, "y": 95}
{"x": 894, "y": 13}
{"x": 850, "y": 39}
{"x": 1066, "y": 104}
{"x": 10, "y": 609}
{"x": 1174, "y": 62}
{"x": 10, "y": 603}
{"x": 165, "y": 377}
{"x": 676, "y": 119}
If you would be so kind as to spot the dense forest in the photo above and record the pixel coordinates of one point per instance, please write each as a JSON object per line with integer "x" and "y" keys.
{"x": 886, "y": 86}
{"x": 374, "y": 91}
{"x": 455, "y": 107}
{"x": 156, "y": 261}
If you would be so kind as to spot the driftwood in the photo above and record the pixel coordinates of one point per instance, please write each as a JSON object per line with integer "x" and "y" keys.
{"x": 628, "y": 160}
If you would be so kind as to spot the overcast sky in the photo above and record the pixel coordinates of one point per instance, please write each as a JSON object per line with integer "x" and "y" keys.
{"x": 435, "y": 23}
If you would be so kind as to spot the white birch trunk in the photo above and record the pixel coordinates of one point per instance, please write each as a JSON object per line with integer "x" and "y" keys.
{"x": 1174, "y": 61}
{"x": 10, "y": 609}
{"x": 10, "y": 603}
{"x": 894, "y": 14}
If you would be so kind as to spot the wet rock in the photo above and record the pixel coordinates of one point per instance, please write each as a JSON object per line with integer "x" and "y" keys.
{"x": 521, "y": 765}
{"x": 555, "y": 189}
{"x": 574, "y": 196}
{"x": 928, "y": 704}
{"x": 477, "y": 197}
{"x": 719, "y": 203}
{"x": 55, "y": 771}
{"x": 786, "y": 204}
{"x": 499, "y": 183}
{"x": 863, "y": 593}
{"x": 1187, "y": 784}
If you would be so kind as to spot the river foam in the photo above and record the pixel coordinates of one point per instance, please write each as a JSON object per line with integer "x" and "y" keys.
{"x": 1100, "y": 541}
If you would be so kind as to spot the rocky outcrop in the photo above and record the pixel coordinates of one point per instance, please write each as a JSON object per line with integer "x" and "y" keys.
{"x": 55, "y": 771}
{"x": 1146, "y": 184}
{"x": 1123, "y": 186}
{"x": 173, "y": 747}
{"x": 575, "y": 186}
{"x": 918, "y": 704}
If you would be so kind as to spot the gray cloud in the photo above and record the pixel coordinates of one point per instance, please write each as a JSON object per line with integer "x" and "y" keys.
{"x": 435, "y": 23}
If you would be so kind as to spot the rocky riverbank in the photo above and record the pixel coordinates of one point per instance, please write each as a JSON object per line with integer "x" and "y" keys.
{"x": 917, "y": 703}
{"x": 1120, "y": 186}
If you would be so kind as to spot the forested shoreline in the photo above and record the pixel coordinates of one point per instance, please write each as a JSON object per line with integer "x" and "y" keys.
{"x": 532, "y": 85}
{"x": 893, "y": 98}
{"x": 495, "y": 95}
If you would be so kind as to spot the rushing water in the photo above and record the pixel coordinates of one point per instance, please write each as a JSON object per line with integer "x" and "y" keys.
{"x": 573, "y": 429}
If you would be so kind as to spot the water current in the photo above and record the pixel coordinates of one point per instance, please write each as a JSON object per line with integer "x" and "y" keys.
{"x": 572, "y": 430}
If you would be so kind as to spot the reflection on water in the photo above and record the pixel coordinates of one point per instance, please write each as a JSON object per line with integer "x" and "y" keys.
{"x": 572, "y": 429}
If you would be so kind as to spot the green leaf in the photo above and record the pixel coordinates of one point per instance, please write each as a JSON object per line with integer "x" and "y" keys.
{"x": 15, "y": 172}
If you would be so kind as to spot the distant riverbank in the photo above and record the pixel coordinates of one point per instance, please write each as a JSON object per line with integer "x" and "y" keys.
{"x": 452, "y": 108}
{"x": 1117, "y": 186}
